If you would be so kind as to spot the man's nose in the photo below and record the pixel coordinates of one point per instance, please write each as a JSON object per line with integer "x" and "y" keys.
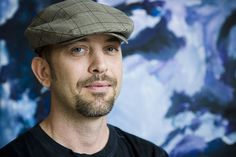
{"x": 98, "y": 64}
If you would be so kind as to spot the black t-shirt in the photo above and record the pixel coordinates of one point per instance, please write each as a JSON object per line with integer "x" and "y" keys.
{"x": 36, "y": 143}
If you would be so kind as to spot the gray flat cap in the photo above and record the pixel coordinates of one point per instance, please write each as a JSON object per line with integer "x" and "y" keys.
{"x": 74, "y": 19}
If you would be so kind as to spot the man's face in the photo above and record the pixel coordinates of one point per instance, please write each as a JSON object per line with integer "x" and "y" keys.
{"x": 88, "y": 75}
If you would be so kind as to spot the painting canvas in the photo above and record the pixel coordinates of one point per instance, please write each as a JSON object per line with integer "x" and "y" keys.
{"x": 179, "y": 82}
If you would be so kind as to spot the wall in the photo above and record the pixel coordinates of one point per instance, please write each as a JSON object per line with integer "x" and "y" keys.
{"x": 179, "y": 75}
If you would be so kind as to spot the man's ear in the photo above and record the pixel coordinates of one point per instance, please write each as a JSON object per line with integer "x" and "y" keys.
{"x": 41, "y": 70}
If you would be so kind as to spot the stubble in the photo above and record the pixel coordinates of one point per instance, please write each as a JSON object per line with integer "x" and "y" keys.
{"x": 101, "y": 105}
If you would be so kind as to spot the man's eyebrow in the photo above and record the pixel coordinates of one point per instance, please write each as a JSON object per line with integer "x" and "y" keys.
{"x": 113, "y": 39}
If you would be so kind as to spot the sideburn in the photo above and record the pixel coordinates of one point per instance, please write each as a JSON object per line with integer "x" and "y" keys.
{"x": 52, "y": 72}
{"x": 45, "y": 52}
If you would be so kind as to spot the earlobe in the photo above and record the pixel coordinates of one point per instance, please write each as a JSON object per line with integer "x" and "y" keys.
{"x": 41, "y": 70}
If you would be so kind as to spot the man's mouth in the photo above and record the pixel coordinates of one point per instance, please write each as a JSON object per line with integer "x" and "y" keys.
{"x": 98, "y": 86}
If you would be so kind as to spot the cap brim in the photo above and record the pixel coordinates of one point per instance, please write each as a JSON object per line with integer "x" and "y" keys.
{"x": 120, "y": 37}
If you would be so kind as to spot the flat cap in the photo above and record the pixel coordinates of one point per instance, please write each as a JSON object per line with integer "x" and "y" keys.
{"x": 74, "y": 19}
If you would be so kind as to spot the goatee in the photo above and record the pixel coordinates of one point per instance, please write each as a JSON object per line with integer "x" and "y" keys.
{"x": 99, "y": 106}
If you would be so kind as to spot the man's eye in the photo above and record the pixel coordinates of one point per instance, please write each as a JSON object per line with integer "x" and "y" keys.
{"x": 112, "y": 50}
{"x": 78, "y": 51}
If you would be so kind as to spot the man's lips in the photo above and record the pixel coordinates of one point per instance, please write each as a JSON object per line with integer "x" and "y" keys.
{"x": 98, "y": 86}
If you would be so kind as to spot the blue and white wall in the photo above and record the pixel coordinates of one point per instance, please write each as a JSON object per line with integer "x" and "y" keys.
{"x": 179, "y": 85}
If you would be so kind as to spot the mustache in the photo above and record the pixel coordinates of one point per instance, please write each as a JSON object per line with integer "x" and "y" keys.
{"x": 104, "y": 77}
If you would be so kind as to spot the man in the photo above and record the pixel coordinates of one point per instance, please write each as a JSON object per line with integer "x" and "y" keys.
{"x": 80, "y": 61}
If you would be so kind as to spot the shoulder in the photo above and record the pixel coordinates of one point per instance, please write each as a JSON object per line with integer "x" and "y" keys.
{"x": 140, "y": 145}
{"x": 17, "y": 146}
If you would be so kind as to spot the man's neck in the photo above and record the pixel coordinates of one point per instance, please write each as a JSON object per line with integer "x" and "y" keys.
{"x": 82, "y": 135}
